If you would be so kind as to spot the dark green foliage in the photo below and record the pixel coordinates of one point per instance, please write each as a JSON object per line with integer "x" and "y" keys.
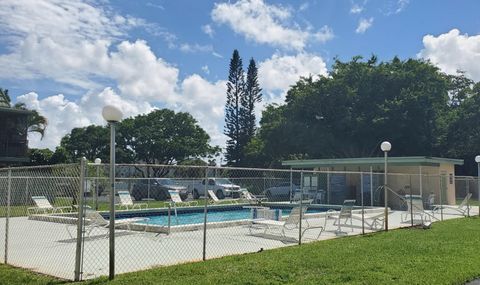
{"x": 90, "y": 142}
{"x": 40, "y": 156}
{"x": 462, "y": 138}
{"x": 163, "y": 137}
{"x": 4, "y": 98}
{"x": 60, "y": 156}
{"x": 160, "y": 137}
{"x": 253, "y": 95}
{"x": 235, "y": 95}
{"x": 359, "y": 104}
{"x": 240, "y": 122}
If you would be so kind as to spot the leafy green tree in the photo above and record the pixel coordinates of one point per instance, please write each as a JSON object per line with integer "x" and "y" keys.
{"x": 358, "y": 105}
{"x": 90, "y": 142}
{"x": 164, "y": 137}
{"x": 40, "y": 156}
{"x": 233, "y": 110}
{"x": 462, "y": 139}
{"x": 36, "y": 123}
{"x": 4, "y": 98}
{"x": 60, "y": 156}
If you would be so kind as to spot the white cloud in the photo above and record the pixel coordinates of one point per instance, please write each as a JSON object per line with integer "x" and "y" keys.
{"x": 207, "y": 29}
{"x": 64, "y": 114}
{"x": 206, "y": 69}
{"x": 364, "y": 25}
{"x": 155, "y": 5}
{"x": 289, "y": 69}
{"x": 304, "y": 6}
{"x": 206, "y": 102}
{"x": 356, "y": 9}
{"x": 52, "y": 41}
{"x": 401, "y": 5}
{"x": 453, "y": 51}
{"x": 263, "y": 23}
{"x": 193, "y": 48}
{"x": 90, "y": 57}
{"x": 140, "y": 74}
{"x": 323, "y": 35}
{"x": 80, "y": 39}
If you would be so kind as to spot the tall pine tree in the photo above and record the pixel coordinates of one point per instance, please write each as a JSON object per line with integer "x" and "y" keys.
{"x": 253, "y": 95}
{"x": 233, "y": 110}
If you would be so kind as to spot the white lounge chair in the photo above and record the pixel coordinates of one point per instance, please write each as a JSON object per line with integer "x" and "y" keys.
{"x": 127, "y": 202}
{"x": 215, "y": 200}
{"x": 344, "y": 214}
{"x": 415, "y": 208}
{"x": 93, "y": 220}
{"x": 176, "y": 199}
{"x": 43, "y": 206}
{"x": 462, "y": 208}
{"x": 252, "y": 199}
{"x": 374, "y": 221}
{"x": 290, "y": 223}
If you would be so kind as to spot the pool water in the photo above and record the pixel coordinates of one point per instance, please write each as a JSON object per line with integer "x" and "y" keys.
{"x": 213, "y": 216}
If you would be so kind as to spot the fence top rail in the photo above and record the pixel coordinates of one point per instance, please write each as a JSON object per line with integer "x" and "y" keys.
{"x": 467, "y": 177}
{"x": 232, "y": 168}
{"x": 298, "y": 171}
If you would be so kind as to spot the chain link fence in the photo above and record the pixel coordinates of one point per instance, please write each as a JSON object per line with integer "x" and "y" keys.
{"x": 55, "y": 219}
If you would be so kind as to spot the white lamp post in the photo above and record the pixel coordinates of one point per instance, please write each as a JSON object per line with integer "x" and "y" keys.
{"x": 98, "y": 161}
{"x": 386, "y": 147}
{"x": 477, "y": 160}
{"x": 112, "y": 115}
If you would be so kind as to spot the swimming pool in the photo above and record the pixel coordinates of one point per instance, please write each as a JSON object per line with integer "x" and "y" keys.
{"x": 197, "y": 217}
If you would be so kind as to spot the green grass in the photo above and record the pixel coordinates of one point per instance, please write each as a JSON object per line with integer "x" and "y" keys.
{"x": 471, "y": 202}
{"x": 18, "y": 211}
{"x": 445, "y": 254}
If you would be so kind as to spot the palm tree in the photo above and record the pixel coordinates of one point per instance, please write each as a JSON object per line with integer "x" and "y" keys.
{"x": 4, "y": 98}
{"x": 35, "y": 122}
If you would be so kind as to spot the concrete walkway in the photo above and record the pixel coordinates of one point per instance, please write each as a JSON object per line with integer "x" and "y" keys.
{"x": 47, "y": 248}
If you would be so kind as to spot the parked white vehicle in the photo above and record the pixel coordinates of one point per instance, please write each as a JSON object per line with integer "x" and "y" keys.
{"x": 281, "y": 191}
{"x": 222, "y": 187}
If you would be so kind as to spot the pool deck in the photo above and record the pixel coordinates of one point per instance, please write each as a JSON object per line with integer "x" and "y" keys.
{"x": 47, "y": 248}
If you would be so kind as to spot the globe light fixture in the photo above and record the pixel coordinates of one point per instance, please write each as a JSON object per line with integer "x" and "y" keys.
{"x": 112, "y": 114}
{"x": 385, "y": 147}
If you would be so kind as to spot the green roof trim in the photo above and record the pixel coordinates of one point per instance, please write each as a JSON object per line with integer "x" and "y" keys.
{"x": 372, "y": 161}
{"x": 4, "y": 159}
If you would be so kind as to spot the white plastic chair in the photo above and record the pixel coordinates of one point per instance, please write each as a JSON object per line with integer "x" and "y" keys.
{"x": 44, "y": 206}
{"x": 127, "y": 202}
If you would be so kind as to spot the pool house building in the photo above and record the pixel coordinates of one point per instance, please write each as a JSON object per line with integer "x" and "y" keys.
{"x": 347, "y": 178}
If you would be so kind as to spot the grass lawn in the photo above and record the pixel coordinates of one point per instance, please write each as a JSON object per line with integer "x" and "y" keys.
{"x": 445, "y": 254}
{"x": 472, "y": 202}
{"x": 17, "y": 211}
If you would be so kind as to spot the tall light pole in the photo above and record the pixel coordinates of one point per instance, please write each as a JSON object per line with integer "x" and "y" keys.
{"x": 386, "y": 147}
{"x": 477, "y": 160}
{"x": 98, "y": 161}
{"x": 112, "y": 115}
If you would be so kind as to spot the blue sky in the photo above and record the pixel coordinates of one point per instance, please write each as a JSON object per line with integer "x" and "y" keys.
{"x": 68, "y": 58}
